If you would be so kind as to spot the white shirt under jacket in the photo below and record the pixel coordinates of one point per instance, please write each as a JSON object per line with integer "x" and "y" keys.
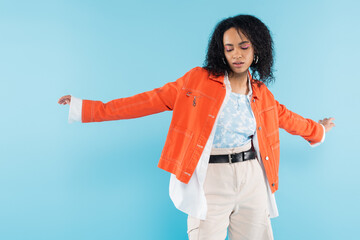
{"x": 190, "y": 198}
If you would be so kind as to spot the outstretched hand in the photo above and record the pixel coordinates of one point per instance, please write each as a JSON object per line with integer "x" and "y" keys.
{"x": 328, "y": 124}
{"x": 65, "y": 100}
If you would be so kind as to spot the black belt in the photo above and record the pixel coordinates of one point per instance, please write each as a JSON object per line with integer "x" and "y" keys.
{"x": 233, "y": 158}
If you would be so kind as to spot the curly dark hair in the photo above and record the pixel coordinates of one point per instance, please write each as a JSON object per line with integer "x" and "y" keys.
{"x": 260, "y": 37}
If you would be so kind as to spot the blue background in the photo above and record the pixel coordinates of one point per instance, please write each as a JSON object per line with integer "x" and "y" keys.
{"x": 100, "y": 180}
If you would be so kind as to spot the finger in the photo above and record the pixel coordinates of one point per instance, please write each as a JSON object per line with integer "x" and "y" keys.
{"x": 330, "y": 121}
{"x": 64, "y": 97}
{"x": 61, "y": 100}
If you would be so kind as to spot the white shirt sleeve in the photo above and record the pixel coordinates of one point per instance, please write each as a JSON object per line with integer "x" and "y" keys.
{"x": 75, "y": 110}
{"x": 322, "y": 140}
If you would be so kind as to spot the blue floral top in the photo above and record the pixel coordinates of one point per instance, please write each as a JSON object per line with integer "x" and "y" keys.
{"x": 236, "y": 123}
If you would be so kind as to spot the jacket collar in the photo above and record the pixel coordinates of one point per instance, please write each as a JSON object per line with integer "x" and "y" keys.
{"x": 217, "y": 78}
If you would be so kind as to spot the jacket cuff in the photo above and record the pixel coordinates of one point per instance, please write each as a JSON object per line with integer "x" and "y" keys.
{"x": 322, "y": 140}
{"x": 75, "y": 110}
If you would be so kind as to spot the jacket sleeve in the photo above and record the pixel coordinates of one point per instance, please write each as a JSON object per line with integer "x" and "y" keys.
{"x": 142, "y": 104}
{"x": 295, "y": 124}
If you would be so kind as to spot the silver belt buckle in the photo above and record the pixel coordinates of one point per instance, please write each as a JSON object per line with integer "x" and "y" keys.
{"x": 230, "y": 158}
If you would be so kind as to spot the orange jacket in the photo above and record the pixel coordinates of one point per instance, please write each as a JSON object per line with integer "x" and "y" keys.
{"x": 195, "y": 100}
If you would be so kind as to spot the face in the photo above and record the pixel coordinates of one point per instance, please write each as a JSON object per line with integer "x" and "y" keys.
{"x": 238, "y": 51}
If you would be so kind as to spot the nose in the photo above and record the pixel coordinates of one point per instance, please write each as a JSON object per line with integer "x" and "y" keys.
{"x": 237, "y": 53}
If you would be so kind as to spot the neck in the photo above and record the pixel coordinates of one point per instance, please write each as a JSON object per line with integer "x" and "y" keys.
{"x": 238, "y": 77}
{"x": 239, "y": 82}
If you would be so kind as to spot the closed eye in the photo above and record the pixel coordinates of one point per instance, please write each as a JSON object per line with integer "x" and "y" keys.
{"x": 229, "y": 48}
{"x": 245, "y": 46}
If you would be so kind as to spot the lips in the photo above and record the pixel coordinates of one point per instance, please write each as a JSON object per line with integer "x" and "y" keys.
{"x": 238, "y": 64}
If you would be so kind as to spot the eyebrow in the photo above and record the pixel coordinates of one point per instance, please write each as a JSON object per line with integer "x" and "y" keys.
{"x": 229, "y": 44}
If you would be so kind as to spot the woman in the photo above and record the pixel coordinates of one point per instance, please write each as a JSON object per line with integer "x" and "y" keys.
{"x": 222, "y": 148}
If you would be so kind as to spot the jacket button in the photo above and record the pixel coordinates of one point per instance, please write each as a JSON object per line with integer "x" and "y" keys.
{"x": 259, "y": 128}
{"x": 273, "y": 184}
{"x": 266, "y": 158}
{"x": 253, "y": 100}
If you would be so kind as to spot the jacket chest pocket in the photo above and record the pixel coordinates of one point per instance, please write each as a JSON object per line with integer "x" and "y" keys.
{"x": 195, "y": 98}
{"x": 270, "y": 124}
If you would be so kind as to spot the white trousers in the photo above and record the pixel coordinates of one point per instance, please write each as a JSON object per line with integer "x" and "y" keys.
{"x": 237, "y": 201}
